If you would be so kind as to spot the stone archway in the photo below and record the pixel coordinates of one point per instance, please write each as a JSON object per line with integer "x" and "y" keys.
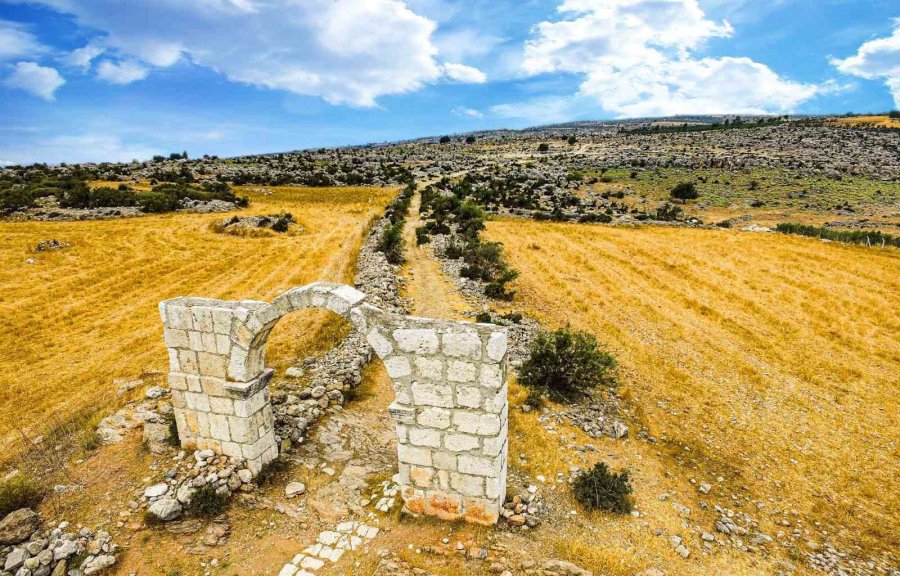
{"x": 449, "y": 379}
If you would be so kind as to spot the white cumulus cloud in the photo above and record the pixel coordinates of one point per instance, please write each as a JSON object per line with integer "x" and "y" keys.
{"x": 465, "y": 74}
{"x": 345, "y": 51}
{"x": 42, "y": 81}
{"x": 17, "y": 42}
{"x": 638, "y": 58}
{"x": 121, "y": 73}
{"x": 468, "y": 112}
{"x": 83, "y": 57}
{"x": 876, "y": 59}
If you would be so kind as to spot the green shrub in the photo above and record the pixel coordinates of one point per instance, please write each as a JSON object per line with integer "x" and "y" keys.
{"x": 15, "y": 198}
{"x": 543, "y": 147}
{"x": 600, "y": 489}
{"x": 391, "y": 243}
{"x": 422, "y": 236}
{"x": 685, "y": 191}
{"x": 867, "y": 237}
{"x": 18, "y": 491}
{"x": 483, "y": 317}
{"x": 207, "y": 502}
{"x": 567, "y": 362}
{"x": 497, "y": 289}
{"x": 151, "y": 202}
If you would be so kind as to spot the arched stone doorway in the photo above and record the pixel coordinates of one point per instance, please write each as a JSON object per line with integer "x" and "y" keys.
{"x": 449, "y": 378}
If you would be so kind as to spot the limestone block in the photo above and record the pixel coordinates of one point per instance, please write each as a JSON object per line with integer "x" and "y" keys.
{"x": 179, "y": 317}
{"x": 221, "y": 321}
{"x": 193, "y": 383}
{"x": 478, "y": 465}
{"x": 397, "y": 367}
{"x": 208, "y": 341}
{"x": 464, "y": 344}
{"x": 197, "y": 401}
{"x": 402, "y": 433}
{"x": 223, "y": 344}
{"x": 434, "y": 418}
{"x": 466, "y": 484}
{"x": 460, "y": 442}
{"x": 444, "y": 461}
{"x": 220, "y": 405}
{"x": 412, "y": 455}
{"x": 497, "y": 346}
{"x": 428, "y": 394}
{"x": 212, "y": 364}
{"x": 468, "y": 397}
{"x": 187, "y": 359}
{"x": 476, "y": 423}
{"x": 243, "y": 431}
{"x": 458, "y": 371}
{"x": 195, "y": 342}
{"x": 491, "y": 376}
{"x": 420, "y": 476}
{"x": 494, "y": 403}
{"x": 174, "y": 364}
{"x": 493, "y": 445}
{"x": 429, "y": 368}
{"x": 177, "y": 381}
{"x": 417, "y": 340}
{"x": 379, "y": 343}
{"x": 218, "y": 427}
{"x": 175, "y": 338}
{"x": 443, "y": 505}
{"x": 428, "y": 437}
{"x": 481, "y": 511}
{"x": 202, "y": 320}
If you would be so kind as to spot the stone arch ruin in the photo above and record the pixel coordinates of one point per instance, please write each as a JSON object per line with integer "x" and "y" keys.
{"x": 449, "y": 378}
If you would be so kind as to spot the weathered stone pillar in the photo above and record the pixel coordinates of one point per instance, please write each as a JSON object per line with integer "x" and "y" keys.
{"x": 451, "y": 412}
{"x": 218, "y": 379}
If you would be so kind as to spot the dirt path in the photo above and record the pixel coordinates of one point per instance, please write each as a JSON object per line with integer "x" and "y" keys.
{"x": 429, "y": 290}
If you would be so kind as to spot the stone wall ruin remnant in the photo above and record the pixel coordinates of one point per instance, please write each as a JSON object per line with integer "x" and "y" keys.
{"x": 449, "y": 378}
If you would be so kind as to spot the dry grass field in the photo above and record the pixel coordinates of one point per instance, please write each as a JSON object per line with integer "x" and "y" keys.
{"x": 882, "y": 121}
{"x": 77, "y": 319}
{"x": 770, "y": 361}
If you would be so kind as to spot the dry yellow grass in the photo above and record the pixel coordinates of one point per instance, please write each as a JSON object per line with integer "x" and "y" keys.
{"x": 78, "y": 318}
{"x": 880, "y": 121}
{"x": 772, "y": 361}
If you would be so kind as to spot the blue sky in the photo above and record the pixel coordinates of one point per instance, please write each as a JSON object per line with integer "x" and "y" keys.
{"x": 92, "y": 80}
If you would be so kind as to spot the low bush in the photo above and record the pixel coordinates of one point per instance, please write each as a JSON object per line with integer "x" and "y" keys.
{"x": 207, "y": 502}
{"x": 15, "y": 198}
{"x": 272, "y": 471}
{"x": 18, "y": 491}
{"x": 422, "y": 236}
{"x": 601, "y": 489}
{"x": 483, "y": 317}
{"x": 566, "y": 362}
{"x": 867, "y": 237}
{"x": 391, "y": 243}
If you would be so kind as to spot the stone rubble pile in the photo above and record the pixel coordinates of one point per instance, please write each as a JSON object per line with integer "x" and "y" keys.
{"x": 153, "y": 414}
{"x": 167, "y": 500}
{"x": 27, "y": 550}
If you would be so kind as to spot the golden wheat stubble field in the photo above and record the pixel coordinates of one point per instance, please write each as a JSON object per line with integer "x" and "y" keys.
{"x": 773, "y": 361}
{"x": 79, "y": 318}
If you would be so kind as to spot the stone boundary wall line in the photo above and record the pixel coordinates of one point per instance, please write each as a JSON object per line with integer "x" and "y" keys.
{"x": 449, "y": 378}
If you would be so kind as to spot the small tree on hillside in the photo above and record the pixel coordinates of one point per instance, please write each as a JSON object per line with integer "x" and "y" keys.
{"x": 445, "y": 140}
{"x": 543, "y": 147}
{"x": 572, "y": 139}
{"x": 684, "y": 191}
{"x": 894, "y": 114}
{"x": 470, "y": 140}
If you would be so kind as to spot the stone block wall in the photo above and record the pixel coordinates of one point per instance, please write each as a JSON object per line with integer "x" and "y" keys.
{"x": 220, "y": 403}
{"x": 449, "y": 379}
{"x": 451, "y": 413}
